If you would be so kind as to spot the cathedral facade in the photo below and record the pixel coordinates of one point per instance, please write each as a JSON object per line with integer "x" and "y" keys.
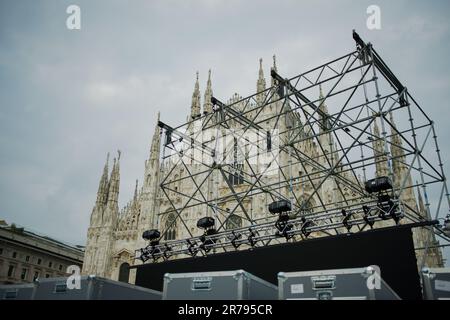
{"x": 115, "y": 233}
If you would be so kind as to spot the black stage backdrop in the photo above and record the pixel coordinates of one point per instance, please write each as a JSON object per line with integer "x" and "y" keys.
{"x": 391, "y": 249}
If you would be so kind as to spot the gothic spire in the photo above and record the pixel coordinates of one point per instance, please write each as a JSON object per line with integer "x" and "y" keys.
{"x": 113, "y": 193}
{"x": 378, "y": 148}
{"x": 207, "y": 104}
{"x": 136, "y": 190}
{"x": 394, "y": 135}
{"x": 323, "y": 106}
{"x": 274, "y": 67}
{"x": 261, "y": 83}
{"x": 195, "y": 106}
{"x": 156, "y": 139}
{"x": 102, "y": 193}
{"x": 396, "y": 150}
{"x": 324, "y": 110}
{"x": 336, "y": 156}
{"x": 422, "y": 209}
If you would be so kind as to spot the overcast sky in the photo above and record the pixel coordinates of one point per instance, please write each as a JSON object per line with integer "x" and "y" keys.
{"x": 67, "y": 97}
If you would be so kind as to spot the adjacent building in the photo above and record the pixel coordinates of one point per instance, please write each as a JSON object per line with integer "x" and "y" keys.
{"x": 26, "y": 255}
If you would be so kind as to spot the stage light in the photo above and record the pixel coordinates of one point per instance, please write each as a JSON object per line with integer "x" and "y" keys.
{"x": 447, "y": 225}
{"x": 388, "y": 208}
{"x": 367, "y": 218}
{"x": 143, "y": 256}
{"x": 383, "y": 198}
{"x": 155, "y": 253}
{"x": 251, "y": 237}
{"x": 283, "y": 226}
{"x": 192, "y": 248}
{"x": 378, "y": 184}
{"x": 347, "y": 217}
{"x": 205, "y": 223}
{"x": 207, "y": 242}
{"x": 385, "y": 205}
{"x": 151, "y": 234}
{"x": 153, "y": 249}
{"x": 366, "y": 210}
{"x": 280, "y": 206}
{"x": 395, "y": 214}
{"x": 150, "y": 251}
{"x": 166, "y": 251}
{"x": 306, "y": 224}
{"x": 283, "y": 217}
{"x": 234, "y": 238}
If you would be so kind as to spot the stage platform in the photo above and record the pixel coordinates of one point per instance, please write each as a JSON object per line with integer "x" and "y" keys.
{"x": 390, "y": 248}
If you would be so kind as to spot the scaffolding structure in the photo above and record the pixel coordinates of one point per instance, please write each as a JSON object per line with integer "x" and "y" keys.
{"x": 363, "y": 92}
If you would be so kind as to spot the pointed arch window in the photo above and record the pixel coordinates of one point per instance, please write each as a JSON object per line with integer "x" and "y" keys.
{"x": 309, "y": 206}
{"x": 170, "y": 227}
{"x": 269, "y": 141}
{"x": 233, "y": 222}
{"x": 236, "y": 175}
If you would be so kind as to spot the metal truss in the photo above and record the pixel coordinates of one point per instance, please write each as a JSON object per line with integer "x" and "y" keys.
{"x": 262, "y": 234}
{"x": 362, "y": 92}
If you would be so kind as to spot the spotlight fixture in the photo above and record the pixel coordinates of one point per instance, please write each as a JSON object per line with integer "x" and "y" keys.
{"x": 280, "y": 206}
{"x": 207, "y": 223}
{"x": 283, "y": 226}
{"x": 367, "y": 218}
{"x": 388, "y": 208}
{"x": 447, "y": 225}
{"x": 306, "y": 224}
{"x": 378, "y": 185}
{"x": 166, "y": 251}
{"x": 347, "y": 217}
{"x": 385, "y": 205}
{"x": 155, "y": 253}
{"x": 153, "y": 236}
{"x": 251, "y": 237}
{"x": 234, "y": 238}
{"x": 192, "y": 247}
{"x": 394, "y": 212}
{"x": 207, "y": 243}
{"x": 144, "y": 256}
